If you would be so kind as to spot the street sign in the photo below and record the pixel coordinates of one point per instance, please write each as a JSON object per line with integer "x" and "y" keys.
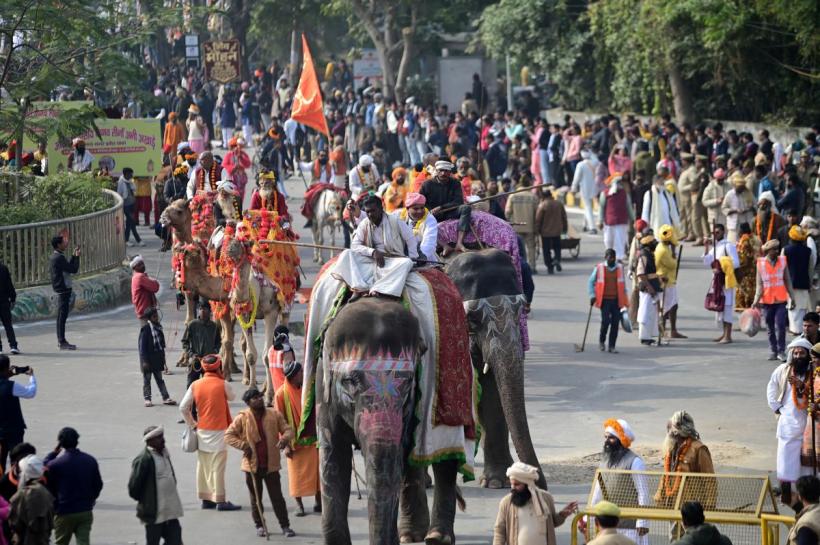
{"x": 367, "y": 67}
{"x": 222, "y": 60}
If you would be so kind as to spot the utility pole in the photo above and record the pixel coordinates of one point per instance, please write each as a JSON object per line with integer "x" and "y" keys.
{"x": 509, "y": 86}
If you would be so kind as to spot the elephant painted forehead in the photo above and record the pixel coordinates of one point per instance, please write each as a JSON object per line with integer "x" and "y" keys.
{"x": 482, "y": 274}
{"x": 373, "y": 326}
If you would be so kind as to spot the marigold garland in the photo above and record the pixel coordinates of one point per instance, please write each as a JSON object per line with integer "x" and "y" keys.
{"x": 212, "y": 176}
{"x": 667, "y": 467}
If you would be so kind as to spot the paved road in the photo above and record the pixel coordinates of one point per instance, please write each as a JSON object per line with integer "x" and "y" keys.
{"x": 98, "y": 390}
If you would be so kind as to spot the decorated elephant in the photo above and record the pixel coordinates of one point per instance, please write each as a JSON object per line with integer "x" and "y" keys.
{"x": 374, "y": 371}
{"x": 489, "y": 285}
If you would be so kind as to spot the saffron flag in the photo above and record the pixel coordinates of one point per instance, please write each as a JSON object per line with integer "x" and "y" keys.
{"x": 307, "y": 103}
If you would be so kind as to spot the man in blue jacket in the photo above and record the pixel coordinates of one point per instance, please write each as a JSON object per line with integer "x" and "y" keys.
{"x": 74, "y": 480}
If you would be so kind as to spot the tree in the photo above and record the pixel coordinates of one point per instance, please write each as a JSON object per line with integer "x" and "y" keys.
{"x": 76, "y": 44}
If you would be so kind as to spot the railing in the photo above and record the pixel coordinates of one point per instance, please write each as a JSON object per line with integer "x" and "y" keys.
{"x": 26, "y": 248}
{"x": 14, "y": 186}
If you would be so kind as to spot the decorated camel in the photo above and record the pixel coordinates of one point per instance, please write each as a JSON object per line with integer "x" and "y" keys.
{"x": 244, "y": 280}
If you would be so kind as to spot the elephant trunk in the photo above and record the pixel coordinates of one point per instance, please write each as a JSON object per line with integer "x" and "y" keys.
{"x": 383, "y": 467}
{"x": 508, "y": 369}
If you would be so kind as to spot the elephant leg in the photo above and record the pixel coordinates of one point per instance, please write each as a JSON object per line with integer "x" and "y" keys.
{"x": 336, "y": 459}
{"x": 383, "y": 468}
{"x": 414, "y": 516}
{"x": 497, "y": 456}
{"x": 444, "y": 504}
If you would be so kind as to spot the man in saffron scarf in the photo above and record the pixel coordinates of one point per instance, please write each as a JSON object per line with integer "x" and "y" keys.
{"x": 211, "y": 395}
{"x": 303, "y": 460}
{"x": 205, "y": 175}
{"x": 423, "y": 223}
{"x": 268, "y": 197}
{"x": 396, "y": 192}
{"x": 174, "y": 134}
{"x": 683, "y": 452}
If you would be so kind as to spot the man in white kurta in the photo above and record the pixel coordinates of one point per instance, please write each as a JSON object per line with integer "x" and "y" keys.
{"x": 624, "y": 490}
{"x": 422, "y": 222}
{"x": 723, "y": 248}
{"x": 787, "y": 397}
{"x": 660, "y": 207}
{"x": 585, "y": 182}
{"x": 371, "y": 265}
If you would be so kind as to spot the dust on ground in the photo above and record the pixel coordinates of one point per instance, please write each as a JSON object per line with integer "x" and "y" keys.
{"x": 581, "y": 470}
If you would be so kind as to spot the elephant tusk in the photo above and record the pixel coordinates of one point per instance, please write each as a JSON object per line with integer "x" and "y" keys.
{"x": 486, "y": 368}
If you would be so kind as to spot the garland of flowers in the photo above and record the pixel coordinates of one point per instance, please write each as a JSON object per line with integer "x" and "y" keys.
{"x": 202, "y": 215}
{"x": 247, "y": 307}
{"x": 213, "y": 180}
{"x": 181, "y": 169}
{"x": 771, "y": 227}
{"x": 667, "y": 467}
{"x": 800, "y": 392}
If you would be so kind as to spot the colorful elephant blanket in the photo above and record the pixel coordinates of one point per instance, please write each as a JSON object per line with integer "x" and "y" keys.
{"x": 494, "y": 232}
{"x": 446, "y": 402}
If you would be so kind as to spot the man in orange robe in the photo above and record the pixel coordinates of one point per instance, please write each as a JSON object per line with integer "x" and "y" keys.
{"x": 303, "y": 462}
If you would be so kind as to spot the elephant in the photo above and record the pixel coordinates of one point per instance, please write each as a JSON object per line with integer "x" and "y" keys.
{"x": 493, "y": 300}
{"x": 365, "y": 397}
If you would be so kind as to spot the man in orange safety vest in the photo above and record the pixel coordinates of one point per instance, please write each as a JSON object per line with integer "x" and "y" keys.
{"x": 773, "y": 292}
{"x": 607, "y": 291}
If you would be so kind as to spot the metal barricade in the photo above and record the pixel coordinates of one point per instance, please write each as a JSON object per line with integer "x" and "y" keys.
{"x": 741, "y": 506}
{"x": 26, "y": 248}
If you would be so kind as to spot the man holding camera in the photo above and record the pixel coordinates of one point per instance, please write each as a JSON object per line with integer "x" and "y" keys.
{"x": 8, "y": 297}
{"x": 61, "y": 270}
{"x": 12, "y": 425}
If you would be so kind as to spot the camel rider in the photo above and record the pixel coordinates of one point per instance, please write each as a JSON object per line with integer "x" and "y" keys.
{"x": 227, "y": 207}
{"x": 268, "y": 197}
{"x": 372, "y": 266}
{"x": 446, "y": 201}
{"x": 206, "y": 175}
{"x": 364, "y": 177}
{"x": 423, "y": 223}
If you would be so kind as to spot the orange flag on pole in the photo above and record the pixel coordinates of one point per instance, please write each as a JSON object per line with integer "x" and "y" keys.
{"x": 307, "y": 103}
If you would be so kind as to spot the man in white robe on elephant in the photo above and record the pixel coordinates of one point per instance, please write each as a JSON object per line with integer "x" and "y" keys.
{"x": 371, "y": 266}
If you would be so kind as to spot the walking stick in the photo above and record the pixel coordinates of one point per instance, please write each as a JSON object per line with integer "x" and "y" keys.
{"x": 812, "y": 370}
{"x": 259, "y": 506}
{"x": 356, "y": 476}
{"x": 339, "y": 249}
{"x": 586, "y": 329}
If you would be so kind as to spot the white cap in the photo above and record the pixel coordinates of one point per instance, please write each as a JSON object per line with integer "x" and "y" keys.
{"x": 136, "y": 261}
{"x": 227, "y": 186}
{"x": 365, "y": 160}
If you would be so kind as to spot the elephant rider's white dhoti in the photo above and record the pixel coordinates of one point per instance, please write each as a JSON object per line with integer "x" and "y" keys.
{"x": 358, "y": 269}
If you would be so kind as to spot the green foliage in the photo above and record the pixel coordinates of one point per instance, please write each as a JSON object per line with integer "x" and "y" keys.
{"x": 738, "y": 59}
{"x": 57, "y": 196}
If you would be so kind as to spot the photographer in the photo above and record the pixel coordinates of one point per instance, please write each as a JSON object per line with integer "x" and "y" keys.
{"x": 12, "y": 425}
{"x": 280, "y": 355}
{"x": 61, "y": 270}
{"x": 8, "y": 297}
{"x": 201, "y": 338}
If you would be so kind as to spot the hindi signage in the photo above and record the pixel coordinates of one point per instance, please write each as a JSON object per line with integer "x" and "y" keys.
{"x": 222, "y": 61}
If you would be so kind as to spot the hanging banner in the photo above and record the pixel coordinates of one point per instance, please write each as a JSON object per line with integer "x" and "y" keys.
{"x": 222, "y": 61}
{"x": 134, "y": 143}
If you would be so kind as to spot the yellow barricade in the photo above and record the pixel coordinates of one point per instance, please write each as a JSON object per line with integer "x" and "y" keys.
{"x": 742, "y": 506}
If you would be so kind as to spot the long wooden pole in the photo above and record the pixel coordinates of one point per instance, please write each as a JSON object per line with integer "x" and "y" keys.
{"x": 335, "y": 249}
{"x": 491, "y": 197}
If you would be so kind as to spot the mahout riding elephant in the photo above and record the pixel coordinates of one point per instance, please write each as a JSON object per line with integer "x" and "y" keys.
{"x": 366, "y": 396}
{"x": 493, "y": 300}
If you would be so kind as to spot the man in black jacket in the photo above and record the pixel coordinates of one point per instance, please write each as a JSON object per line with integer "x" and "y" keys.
{"x": 61, "y": 271}
{"x": 152, "y": 357}
{"x": 152, "y": 476}
{"x": 445, "y": 200}
{"x": 7, "y": 299}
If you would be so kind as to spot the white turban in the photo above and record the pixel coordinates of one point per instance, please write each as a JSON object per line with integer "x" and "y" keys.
{"x": 182, "y": 145}
{"x": 31, "y": 468}
{"x": 445, "y": 165}
{"x": 527, "y": 474}
{"x": 473, "y": 198}
{"x": 768, "y": 196}
{"x": 365, "y": 160}
{"x": 152, "y": 432}
{"x": 799, "y": 342}
{"x": 227, "y": 186}
{"x": 136, "y": 261}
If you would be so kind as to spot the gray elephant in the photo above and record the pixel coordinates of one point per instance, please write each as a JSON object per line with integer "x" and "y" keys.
{"x": 365, "y": 395}
{"x": 493, "y": 301}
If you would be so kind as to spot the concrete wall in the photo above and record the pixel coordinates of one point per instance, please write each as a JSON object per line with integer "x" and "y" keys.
{"x": 92, "y": 294}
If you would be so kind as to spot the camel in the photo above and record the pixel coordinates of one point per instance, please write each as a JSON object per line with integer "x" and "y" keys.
{"x": 198, "y": 281}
